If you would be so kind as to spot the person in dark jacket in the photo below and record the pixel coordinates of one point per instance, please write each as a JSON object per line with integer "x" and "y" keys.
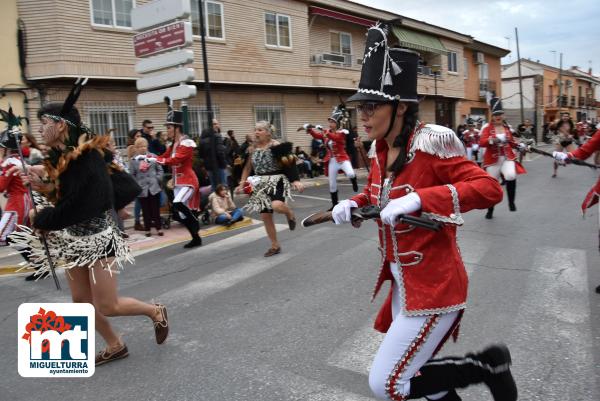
{"x": 154, "y": 144}
{"x": 81, "y": 231}
{"x": 213, "y": 152}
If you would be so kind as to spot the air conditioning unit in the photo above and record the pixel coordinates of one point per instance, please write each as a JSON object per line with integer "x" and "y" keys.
{"x": 317, "y": 59}
{"x": 334, "y": 58}
{"x": 479, "y": 58}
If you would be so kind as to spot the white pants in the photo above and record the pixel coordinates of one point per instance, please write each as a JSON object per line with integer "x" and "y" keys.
{"x": 506, "y": 167}
{"x": 334, "y": 167}
{"x": 182, "y": 194}
{"x": 417, "y": 335}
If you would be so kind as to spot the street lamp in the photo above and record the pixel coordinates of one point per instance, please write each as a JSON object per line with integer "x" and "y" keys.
{"x": 435, "y": 69}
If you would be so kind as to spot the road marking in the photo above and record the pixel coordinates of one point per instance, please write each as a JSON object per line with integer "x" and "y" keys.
{"x": 553, "y": 322}
{"x": 226, "y": 243}
{"x": 222, "y": 279}
{"x": 303, "y": 388}
{"x": 357, "y": 352}
{"x": 312, "y": 197}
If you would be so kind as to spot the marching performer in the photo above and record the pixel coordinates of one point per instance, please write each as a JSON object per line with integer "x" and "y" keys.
{"x": 180, "y": 156}
{"x": 18, "y": 204}
{"x": 593, "y": 196}
{"x": 419, "y": 169}
{"x": 336, "y": 158}
{"x": 564, "y": 140}
{"x": 276, "y": 174}
{"x": 471, "y": 141}
{"x": 500, "y": 156}
{"x": 84, "y": 188}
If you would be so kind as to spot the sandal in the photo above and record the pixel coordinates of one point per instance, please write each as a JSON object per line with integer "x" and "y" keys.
{"x": 107, "y": 356}
{"x": 160, "y": 233}
{"x": 148, "y": 234}
{"x": 273, "y": 251}
{"x": 161, "y": 327}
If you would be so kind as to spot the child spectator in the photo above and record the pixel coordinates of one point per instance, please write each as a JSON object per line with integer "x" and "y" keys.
{"x": 223, "y": 208}
{"x": 148, "y": 175}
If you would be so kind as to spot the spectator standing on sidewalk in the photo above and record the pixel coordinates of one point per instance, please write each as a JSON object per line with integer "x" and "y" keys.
{"x": 212, "y": 151}
{"x": 148, "y": 174}
{"x": 31, "y": 150}
{"x": 148, "y": 133}
{"x": 223, "y": 208}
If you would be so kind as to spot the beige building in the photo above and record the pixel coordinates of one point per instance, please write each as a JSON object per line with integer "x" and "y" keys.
{"x": 544, "y": 98}
{"x": 287, "y": 60}
{"x": 13, "y": 90}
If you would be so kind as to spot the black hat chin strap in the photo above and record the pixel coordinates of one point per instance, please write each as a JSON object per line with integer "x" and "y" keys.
{"x": 393, "y": 120}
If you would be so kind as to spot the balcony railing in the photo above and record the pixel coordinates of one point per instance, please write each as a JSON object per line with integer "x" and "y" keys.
{"x": 582, "y": 102}
{"x": 564, "y": 101}
{"x": 573, "y": 101}
{"x": 485, "y": 86}
{"x": 341, "y": 60}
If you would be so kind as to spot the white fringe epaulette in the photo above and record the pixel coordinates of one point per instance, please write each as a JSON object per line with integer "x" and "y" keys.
{"x": 437, "y": 141}
{"x": 372, "y": 150}
{"x": 188, "y": 142}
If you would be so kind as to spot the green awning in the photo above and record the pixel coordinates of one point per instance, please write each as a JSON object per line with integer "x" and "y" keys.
{"x": 419, "y": 41}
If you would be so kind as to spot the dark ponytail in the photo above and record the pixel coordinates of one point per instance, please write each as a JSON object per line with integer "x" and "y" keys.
{"x": 401, "y": 141}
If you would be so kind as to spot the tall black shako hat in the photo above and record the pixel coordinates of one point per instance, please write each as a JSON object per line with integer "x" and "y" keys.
{"x": 339, "y": 114}
{"x": 387, "y": 74}
{"x": 174, "y": 117}
{"x": 496, "y": 106}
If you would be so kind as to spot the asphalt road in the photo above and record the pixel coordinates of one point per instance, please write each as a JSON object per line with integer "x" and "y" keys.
{"x": 297, "y": 326}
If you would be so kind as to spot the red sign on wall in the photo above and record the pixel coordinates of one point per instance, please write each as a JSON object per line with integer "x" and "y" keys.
{"x": 167, "y": 37}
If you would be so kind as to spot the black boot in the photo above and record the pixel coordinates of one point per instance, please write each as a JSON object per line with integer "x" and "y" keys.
{"x": 511, "y": 189}
{"x": 334, "y": 200}
{"x": 190, "y": 222}
{"x": 490, "y": 213}
{"x": 491, "y": 366}
{"x": 354, "y": 184}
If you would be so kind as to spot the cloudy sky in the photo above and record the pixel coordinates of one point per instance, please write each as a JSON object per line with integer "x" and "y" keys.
{"x": 571, "y": 27}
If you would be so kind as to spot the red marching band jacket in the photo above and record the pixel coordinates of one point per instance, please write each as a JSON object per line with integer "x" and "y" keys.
{"x": 582, "y": 153}
{"x": 494, "y": 151}
{"x": 335, "y": 142}
{"x": 433, "y": 275}
{"x": 18, "y": 203}
{"x": 180, "y": 157}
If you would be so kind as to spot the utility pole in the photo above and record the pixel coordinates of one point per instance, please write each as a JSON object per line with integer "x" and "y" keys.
{"x": 560, "y": 84}
{"x": 520, "y": 77}
{"x": 209, "y": 110}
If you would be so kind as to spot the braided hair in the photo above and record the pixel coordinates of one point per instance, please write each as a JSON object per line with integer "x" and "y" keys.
{"x": 401, "y": 141}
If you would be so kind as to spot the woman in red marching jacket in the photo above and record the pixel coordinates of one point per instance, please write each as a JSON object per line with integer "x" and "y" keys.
{"x": 500, "y": 157}
{"x": 336, "y": 158}
{"x": 422, "y": 170}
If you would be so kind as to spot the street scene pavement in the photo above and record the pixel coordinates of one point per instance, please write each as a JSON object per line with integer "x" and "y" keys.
{"x": 298, "y": 325}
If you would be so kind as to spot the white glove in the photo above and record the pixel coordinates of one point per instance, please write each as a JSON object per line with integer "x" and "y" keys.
{"x": 140, "y": 157}
{"x": 560, "y": 156}
{"x": 319, "y": 127}
{"x": 405, "y": 205}
{"x": 345, "y": 131}
{"x": 13, "y": 161}
{"x": 341, "y": 213}
{"x": 305, "y": 126}
{"x": 501, "y": 137}
{"x": 151, "y": 159}
{"x": 475, "y": 147}
{"x": 522, "y": 146}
